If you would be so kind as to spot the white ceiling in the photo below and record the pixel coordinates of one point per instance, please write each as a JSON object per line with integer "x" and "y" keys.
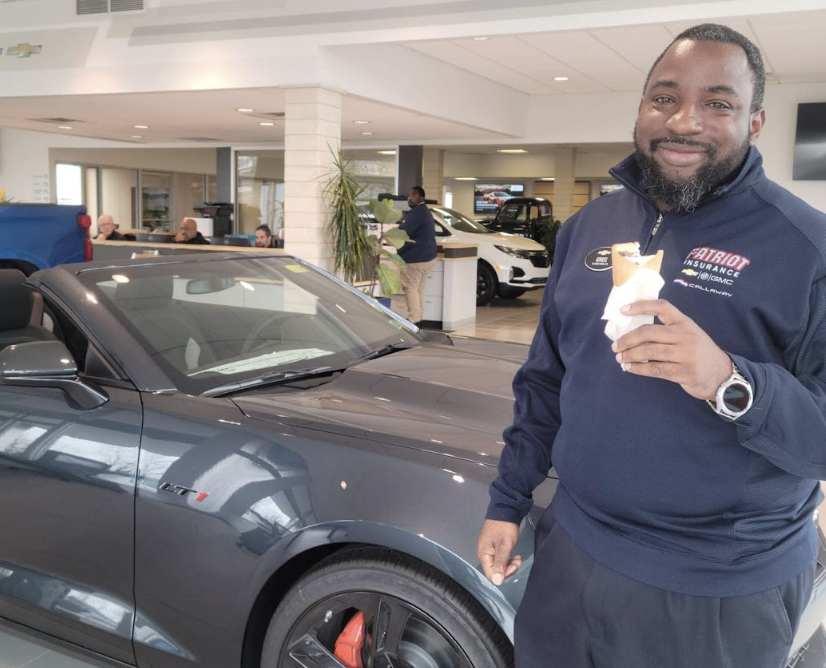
{"x": 596, "y": 60}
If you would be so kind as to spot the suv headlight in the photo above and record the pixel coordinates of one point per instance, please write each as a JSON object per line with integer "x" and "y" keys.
{"x": 513, "y": 252}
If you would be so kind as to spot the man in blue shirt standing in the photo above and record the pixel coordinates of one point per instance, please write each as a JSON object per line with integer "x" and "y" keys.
{"x": 689, "y": 451}
{"x": 419, "y": 255}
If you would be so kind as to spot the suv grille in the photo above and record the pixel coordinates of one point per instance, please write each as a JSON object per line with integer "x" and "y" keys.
{"x": 539, "y": 258}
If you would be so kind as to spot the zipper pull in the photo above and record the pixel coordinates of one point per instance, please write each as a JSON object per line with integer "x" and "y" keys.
{"x": 657, "y": 224}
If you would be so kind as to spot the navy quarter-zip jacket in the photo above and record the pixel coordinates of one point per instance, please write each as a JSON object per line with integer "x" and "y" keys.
{"x": 652, "y": 482}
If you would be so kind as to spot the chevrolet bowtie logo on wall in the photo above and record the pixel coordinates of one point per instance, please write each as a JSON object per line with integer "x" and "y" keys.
{"x": 23, "y": 50}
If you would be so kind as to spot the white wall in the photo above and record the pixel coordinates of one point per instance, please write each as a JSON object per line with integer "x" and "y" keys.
{"x": 24, "y": 159}
{"x": 776, "y": 142}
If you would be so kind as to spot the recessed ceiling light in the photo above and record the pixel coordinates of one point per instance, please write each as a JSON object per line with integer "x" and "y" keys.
{"x": 366, "y": 133}
{"x": 267, "y": 123}
{"x": 465, "y": 178}
{"x": 65, "y": 127}
{"x": 388, "y": 152}
{"x": 547, "y": 178}
{"x": 137, "y": 137}
{"x": 362, "y": 122}
{"x": 560, "y": 78}
{"x": 480, "y": 39}
{"x": 511, "y": 150}
{"x": 141, "y": 127}
{"x": 245, "y": 110}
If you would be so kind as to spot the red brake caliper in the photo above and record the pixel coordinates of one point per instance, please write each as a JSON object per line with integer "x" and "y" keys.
{"x": 350, "y": 642}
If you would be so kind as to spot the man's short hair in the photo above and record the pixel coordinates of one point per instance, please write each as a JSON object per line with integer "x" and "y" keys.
{"x": 419, "y": 190}
{"x": 265, "y": 229}
{"x": 713, "y": 32}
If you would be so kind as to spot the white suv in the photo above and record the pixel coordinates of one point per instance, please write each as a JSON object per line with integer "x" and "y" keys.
{"x": 508, "y": 265}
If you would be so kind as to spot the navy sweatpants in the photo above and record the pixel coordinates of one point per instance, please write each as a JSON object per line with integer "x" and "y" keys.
{"x": 577, "y": 613}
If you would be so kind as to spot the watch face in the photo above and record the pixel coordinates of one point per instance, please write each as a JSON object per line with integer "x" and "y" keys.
{"x": 736, "y": 397}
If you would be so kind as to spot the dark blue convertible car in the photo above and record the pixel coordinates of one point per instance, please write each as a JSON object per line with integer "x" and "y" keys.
{"x": 234, "y": 461}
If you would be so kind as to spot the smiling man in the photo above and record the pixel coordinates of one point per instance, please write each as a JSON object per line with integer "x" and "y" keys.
{"x": 681, "y": 532}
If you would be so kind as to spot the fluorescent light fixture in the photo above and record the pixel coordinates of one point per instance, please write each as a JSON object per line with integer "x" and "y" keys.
{"x": 480, "y": 39}
{"x": 141, "y": 127}
{"x": 465, "y": 178}
{"x": 511, "y": 150}
{"x": 245, "y": 110}
{"x": 560, "y": 78}
{"x": 137, "y": 136}
{"x": 388, "y": 152}
{"x": 547, "y": 178}
{"x": 362, "y": 122}
{"x": 366, "y": 133}
{"x": 266, "y": 123}
{"x": 65, "y": 127}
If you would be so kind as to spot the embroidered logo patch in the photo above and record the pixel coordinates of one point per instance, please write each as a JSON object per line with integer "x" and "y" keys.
{"x": 712, "y": 270}
{"x": 599, "y": 259}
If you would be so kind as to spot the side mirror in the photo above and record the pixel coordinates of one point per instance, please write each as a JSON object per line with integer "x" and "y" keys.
{"x": 47, "y": 364}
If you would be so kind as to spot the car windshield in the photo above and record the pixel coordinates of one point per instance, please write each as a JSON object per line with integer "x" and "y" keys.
{"x": 459, "y": 221}
{"x": 211, "y": 323}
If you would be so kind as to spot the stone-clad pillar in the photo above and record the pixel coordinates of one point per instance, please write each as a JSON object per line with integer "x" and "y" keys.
{"x": 433, "y": 173}
{"x": 564, "y": 177}
{"x": 312, "y": 129}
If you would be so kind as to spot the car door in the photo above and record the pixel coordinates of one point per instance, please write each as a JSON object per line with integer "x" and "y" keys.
{"x": 67, "y": 491}
{"x": 512, "y": 218}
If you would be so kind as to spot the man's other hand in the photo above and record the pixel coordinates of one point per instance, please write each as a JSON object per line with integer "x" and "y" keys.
{"x": 496, "y": 542}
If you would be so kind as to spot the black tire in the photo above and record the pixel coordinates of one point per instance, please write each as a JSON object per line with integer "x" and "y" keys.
{"x": 507, "y": 292}
{"x": 437, "y": 624}
{"x": 486, "y": 283}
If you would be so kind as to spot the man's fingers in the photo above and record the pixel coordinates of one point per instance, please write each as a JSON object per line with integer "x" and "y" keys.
{"x": 646, "y": 334}
{"x": 667, "y": 313}
{"x": 664, "y": 370}
{"x": 513, "y": 565}
{"x": 496, "y": 541}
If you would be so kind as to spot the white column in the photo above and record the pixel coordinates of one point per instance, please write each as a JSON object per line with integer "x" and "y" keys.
{"x": 564, "y": 177}
{"x": 312, "y": 135}
{"x": 433, "y": 173}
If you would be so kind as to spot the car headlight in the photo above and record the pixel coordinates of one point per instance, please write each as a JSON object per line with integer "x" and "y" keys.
{"x": 514, "y": 252}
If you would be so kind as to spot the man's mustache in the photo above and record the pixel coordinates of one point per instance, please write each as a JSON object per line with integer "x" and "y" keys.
{"x": 682, "y": 141}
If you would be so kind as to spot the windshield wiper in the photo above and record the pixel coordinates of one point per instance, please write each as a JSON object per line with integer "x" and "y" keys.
{"x": 381, "y": 352}
{"x": 271, "y": 378}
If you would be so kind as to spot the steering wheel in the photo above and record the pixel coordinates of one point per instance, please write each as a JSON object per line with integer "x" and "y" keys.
{"x": 252, "y": 337}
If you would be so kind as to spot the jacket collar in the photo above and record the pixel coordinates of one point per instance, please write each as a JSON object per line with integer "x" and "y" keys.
{"x": 629, "y": 174}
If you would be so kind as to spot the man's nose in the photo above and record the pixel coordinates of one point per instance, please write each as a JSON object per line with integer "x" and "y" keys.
{"x": 685, "y": 120}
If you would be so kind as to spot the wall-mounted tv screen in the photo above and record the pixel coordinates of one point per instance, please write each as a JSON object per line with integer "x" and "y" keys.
{"x": 488, "y": 197}
{"x": 810, "y": 143}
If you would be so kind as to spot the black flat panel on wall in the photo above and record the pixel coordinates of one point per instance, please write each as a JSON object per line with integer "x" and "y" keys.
{"x": 810, "y": 143}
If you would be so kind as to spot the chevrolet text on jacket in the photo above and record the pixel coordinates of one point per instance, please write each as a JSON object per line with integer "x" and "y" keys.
{"x": 653, "y": 483}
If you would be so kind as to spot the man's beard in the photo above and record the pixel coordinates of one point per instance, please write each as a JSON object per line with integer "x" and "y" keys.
{"x": 686, "y": 192}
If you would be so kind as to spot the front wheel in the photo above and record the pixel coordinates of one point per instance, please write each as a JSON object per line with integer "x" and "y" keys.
{"x": 486, "y": 283}
{"x": 407, "y": 614}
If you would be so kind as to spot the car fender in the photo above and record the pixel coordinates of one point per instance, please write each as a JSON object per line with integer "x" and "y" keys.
{"x": 499, "y": 602}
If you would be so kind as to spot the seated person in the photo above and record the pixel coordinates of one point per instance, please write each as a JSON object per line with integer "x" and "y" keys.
{"x": 189, "y": 233}
{"x": 107, "y": 231}
{"x": 263, "y": 237}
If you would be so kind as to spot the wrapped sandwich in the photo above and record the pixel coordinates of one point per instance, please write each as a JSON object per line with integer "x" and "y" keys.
{"x": 636, "y": 277}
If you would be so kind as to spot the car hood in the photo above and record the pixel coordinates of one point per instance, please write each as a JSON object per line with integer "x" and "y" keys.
{"x": 498, "y": 238}
{"x": 450, "y": 400}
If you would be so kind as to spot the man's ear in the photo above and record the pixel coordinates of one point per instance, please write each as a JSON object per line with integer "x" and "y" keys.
{"x": 758, "y": 119}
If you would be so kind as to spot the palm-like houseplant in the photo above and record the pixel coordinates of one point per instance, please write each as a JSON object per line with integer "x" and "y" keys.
{"x": 356, "y": 253}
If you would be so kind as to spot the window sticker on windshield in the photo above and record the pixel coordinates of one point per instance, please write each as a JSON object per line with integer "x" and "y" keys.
{"x": 297, "y": 268}
{"x": 265, "y": 361}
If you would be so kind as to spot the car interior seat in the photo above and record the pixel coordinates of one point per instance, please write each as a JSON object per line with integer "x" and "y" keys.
{"x": 17, "y": 303}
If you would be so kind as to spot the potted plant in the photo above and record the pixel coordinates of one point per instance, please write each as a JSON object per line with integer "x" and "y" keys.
{"x": 357, "y": 253}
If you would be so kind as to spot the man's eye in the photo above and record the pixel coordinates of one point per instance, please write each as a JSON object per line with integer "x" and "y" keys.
{"x": 662, "y": 99}
{"x": 718, "y": 105}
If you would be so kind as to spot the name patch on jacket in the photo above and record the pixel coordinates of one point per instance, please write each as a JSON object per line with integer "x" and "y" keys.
{"x": 712, "y": 270}
{"x": 599, "y": 259}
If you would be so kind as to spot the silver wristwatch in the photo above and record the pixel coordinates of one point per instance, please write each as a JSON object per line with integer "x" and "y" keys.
{"x": 734, "y": 396}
